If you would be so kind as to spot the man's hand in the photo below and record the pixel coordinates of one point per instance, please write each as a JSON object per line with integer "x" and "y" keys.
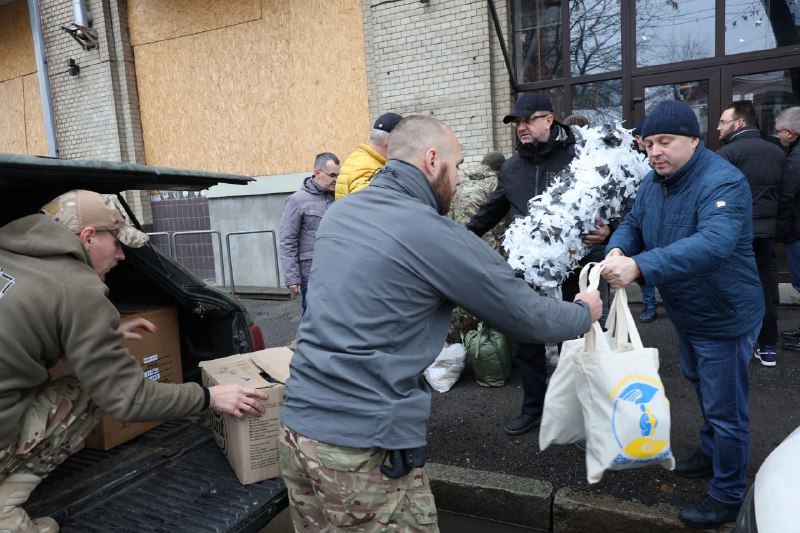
{"x": 615, "y": 252}
{"x": 598, "y": 236}
{"x": 295, "y": 289}
{"x": 595, "y": 304}
{"x": 236, "y": 400}
{"x": 128, "y": 326}
{"x": 619, "y": 270}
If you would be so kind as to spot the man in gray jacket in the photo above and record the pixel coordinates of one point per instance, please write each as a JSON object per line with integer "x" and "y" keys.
{"x": 300, "y": 219}
{"x": 356, "y": 405}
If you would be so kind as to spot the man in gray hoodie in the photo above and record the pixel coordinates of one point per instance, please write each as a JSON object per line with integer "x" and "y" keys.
{"x": 356, "y": 405}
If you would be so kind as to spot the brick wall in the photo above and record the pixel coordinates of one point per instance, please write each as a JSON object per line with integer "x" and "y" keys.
{"x": 439, "y": 58}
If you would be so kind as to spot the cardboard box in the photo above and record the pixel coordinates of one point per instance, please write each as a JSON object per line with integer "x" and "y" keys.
{"x": 159, "y": 355}
{"x": 251, "y": 445}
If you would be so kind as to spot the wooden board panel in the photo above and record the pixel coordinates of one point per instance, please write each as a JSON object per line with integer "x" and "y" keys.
{"x": 263, "y": 97}
{"x": 16, "y": 42}
{"x": 12, "y": 117}
{"x": 156, "y": 20}
{"x": 35, "y": 137}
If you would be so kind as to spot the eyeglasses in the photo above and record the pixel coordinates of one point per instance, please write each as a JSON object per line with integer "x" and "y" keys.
{"x": 333, "y": 175}
{"x": 723, "y": 122}
{"x": 528, "y": 120}
{"x": 778, "y": 132}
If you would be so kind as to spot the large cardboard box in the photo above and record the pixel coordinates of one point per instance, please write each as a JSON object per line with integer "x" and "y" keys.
{"x": 251, "y": 445}
{"x": 159, "y": 354}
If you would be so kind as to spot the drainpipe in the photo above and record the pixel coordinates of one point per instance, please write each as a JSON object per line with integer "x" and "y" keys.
{"x": 511, "y": 76}
{"x": 80, "y": 13}
{"x": 44, "y": 77}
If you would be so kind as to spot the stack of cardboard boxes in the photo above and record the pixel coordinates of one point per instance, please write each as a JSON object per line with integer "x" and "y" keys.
{"x": 159, "y": 355}
{"x": 251, "y": 444}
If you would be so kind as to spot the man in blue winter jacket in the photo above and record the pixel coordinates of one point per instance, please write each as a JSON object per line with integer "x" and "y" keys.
{"x": 690, "y": 232}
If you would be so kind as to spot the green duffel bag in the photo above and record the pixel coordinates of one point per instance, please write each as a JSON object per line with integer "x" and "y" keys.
{"x": 489, "y": 352}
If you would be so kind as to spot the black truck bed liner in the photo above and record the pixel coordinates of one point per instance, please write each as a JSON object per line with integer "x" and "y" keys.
{"x": 174, "y": 478}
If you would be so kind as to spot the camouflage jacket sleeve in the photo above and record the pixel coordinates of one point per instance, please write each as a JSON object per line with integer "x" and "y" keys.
{"x": 490, "y": 212}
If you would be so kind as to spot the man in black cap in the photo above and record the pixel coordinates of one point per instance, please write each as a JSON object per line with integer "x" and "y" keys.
{"x": 546, "y": 147}
{"x": 357, "y": 170}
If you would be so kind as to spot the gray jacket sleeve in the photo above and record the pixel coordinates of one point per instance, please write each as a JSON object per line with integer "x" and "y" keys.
{"x": 481, "y": 281}
{"x": 291, "y": 221}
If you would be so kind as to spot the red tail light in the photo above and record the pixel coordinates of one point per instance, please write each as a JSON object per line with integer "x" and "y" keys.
{"x": 256, "y": 338}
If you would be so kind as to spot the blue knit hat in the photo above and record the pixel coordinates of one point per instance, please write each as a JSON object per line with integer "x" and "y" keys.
{"x": 637, "y": 128}
{"x": 673, "y": 118}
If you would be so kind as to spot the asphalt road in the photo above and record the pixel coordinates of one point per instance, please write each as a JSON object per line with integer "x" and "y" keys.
{"x": 466, "y": 425}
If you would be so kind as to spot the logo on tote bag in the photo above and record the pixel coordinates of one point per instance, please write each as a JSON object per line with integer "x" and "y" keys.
{"x": 638, "y": 398}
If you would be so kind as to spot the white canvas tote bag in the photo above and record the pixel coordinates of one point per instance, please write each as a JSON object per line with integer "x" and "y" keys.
{"x": 625, "y": 409}
{"x": 562, "y": 418}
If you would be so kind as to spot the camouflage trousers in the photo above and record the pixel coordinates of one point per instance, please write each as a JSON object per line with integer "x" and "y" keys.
{"x": 333, "y": 488}
{"x": 53, "y": 428}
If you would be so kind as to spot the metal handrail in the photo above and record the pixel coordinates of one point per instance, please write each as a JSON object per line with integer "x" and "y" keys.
{"x": 230, "y": 261}
{"x": 203, "y": 232}
{"x": 170, "y": 250}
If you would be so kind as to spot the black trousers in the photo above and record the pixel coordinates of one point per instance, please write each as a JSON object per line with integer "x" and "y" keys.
{"x": 532, "y": 361}
{"x": 765, "y": 261}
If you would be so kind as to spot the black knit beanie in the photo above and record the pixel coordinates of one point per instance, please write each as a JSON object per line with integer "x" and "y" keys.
{"x": 671, "y": 117}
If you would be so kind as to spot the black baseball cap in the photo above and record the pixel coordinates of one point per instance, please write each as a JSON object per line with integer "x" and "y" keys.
{"x": 387, "y": 122}
{"x": 527, "y": 105}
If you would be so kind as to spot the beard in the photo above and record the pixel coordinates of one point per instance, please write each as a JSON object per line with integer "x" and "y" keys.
{"x": 443, "y": 190}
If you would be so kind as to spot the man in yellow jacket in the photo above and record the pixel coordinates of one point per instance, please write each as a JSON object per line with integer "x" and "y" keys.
{"x": 357, "y": 170}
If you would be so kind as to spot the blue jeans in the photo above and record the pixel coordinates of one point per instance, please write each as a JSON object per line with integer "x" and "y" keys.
{"x": 303, "y": 291}
{"x": 719, "y": 369}
{"x": 649, "y": 297}
{"x": 793, "y": 255}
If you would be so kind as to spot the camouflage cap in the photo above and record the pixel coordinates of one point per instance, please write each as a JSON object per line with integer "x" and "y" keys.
{"x": 81, "y": 209}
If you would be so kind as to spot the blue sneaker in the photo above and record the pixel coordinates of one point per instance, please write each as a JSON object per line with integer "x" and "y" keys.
{"x": 648, "y": 314}
{"x": 766, "y": 355}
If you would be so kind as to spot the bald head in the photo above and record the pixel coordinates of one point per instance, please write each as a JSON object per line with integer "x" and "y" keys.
{"x": 416, "y": 134}
{"x": 432, "y": 147}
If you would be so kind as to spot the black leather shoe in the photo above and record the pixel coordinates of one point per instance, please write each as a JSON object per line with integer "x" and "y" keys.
{"x": 523, "y": 424}
{"x": 791, "y": 334}
{"x": 709, "y": 512}
{"x": 793, "y": 345}
{"x": 698, "y": 466}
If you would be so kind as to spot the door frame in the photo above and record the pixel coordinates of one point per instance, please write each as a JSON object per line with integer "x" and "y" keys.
{"x": 709, "y": 74}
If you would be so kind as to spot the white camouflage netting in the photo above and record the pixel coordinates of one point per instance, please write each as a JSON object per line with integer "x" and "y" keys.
{"x": 546, "y": 245}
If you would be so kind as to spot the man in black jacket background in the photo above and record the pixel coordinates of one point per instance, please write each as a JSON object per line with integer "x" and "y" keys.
{"x": 546, "y": 147}
{"x": 770, "y": 178}
{"x": 787, "y": 129}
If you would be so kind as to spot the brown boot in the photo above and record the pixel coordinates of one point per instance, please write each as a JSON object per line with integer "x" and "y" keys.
{"x": 14, "y": 491}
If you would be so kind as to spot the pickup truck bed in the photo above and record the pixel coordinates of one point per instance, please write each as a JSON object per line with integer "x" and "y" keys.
{"x": 174, "y": 478}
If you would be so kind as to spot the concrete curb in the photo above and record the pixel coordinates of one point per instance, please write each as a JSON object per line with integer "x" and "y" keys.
{"x": 518, "y": 500}
{"x": 535, "y": 504}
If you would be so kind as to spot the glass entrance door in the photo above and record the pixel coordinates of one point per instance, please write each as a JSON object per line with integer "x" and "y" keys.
{"x": 698, "y": 89}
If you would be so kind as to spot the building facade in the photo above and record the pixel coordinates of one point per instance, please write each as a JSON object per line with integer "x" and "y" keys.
{"x": 258, "y": 87}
